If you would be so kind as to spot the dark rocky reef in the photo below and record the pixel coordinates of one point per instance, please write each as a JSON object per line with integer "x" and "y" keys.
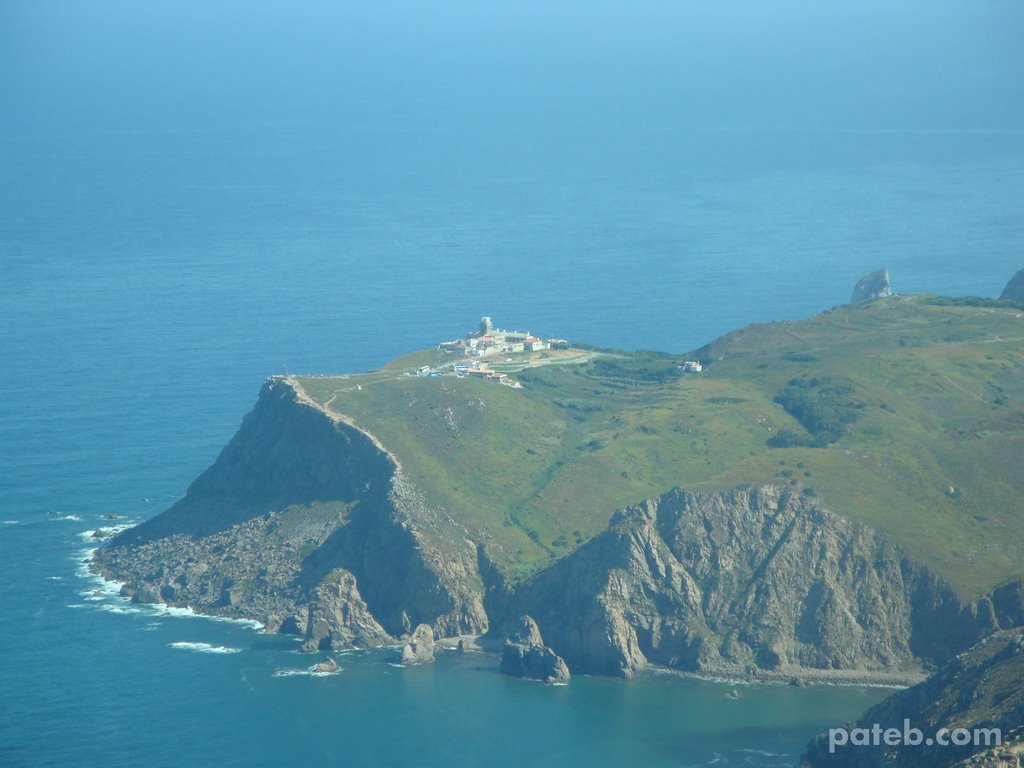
{"x": 980, "y": 688}
{"x": 1014, "y": 290}
{"x": 525, "y": 655}
{"x": 326, "y": 667}
{"x": 874, "y": 285}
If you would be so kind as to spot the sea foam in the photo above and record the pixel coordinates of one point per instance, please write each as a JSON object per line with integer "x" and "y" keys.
{"x": 203, "y": 647}
{"x": 308, "y": 672}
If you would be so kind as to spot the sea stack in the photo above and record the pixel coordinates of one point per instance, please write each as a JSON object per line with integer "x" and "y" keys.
{"x": 525, "y": 655}
{"x": 420, "y": 648}
{"x": 1014, "y": 290}
{"x": 874, "y": 285}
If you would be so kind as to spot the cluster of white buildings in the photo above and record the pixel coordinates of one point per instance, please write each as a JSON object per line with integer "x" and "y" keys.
{"x": 488, "y": 340}
{"x": 483, "y": 372}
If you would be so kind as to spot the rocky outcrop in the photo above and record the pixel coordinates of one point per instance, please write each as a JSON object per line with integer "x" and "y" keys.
{"x": 413, "y": 565}
{"x": 759, "y": 582}
{"x": 874, "y": 285}
{"x": 525, "y": 655}
{"x": 980, "y": 688}
{"x": 1014, "y": 290}
{"x": 338, "y": 616}
{"x": 307, "y": 524}
{"x": 420, "y": 648}
{"x": 326, "y": 667}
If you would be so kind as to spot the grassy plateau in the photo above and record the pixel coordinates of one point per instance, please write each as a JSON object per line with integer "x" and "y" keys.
{"x": 905, "y": 413}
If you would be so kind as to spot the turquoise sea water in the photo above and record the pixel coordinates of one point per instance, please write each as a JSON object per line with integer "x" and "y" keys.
{"x": 194, "y": 195}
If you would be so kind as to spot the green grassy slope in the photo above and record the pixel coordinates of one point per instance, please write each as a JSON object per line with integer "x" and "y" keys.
{"x": 932, "y": 456}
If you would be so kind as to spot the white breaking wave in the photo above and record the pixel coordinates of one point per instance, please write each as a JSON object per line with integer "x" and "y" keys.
{"x": 105, "y": 595}
{"x": 106, "y": 530}
{"x": 292, "y": 672}
{"x": 203, "y": 647}
{"x": 112, "y": 608}
{"x": 107, "y": 589}
{"x": 188, "y": 613}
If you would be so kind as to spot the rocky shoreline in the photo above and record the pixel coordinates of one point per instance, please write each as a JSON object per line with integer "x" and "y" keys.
{"x": 799, "y": 678}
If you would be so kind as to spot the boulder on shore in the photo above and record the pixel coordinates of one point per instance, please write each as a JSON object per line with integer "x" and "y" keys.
{"x": 874, "y": 285}
{"x": 525, "y": 655}
{"x": 141, "y": 593}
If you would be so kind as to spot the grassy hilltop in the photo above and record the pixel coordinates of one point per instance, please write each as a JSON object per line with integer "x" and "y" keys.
{"x": 905, "y": 413}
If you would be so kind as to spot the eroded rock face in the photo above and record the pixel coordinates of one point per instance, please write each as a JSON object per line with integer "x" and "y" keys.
{"x": 874, "y": 285}
{"x": 525, "y": 655}
{"x": 338, "y": 617}
{"x": 306, "y": 524}
{"x": 420, "y": 648}
{"x": 1014, "y": 290}
{"x": 747, "y": 582}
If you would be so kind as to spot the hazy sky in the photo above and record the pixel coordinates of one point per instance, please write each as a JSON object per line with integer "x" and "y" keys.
{"x": 499, "y": 65}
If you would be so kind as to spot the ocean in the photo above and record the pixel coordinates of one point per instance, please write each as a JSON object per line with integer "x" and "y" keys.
{"x": 194, "y": 196}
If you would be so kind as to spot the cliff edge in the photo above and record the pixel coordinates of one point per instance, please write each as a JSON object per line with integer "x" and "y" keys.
{"x": 306, "y": 524}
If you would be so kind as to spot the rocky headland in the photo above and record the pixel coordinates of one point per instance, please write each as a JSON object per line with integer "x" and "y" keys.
{"x": 307, "y": 524}
{"x": 419, "y": 511}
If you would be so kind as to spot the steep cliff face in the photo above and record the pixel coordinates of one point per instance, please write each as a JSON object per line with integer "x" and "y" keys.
{"x": 413, "y": 565}
{"x": 980, "y": 688}
{"x": 745, "y": 582}
{"x": 306, "y": 523}
{"x": 285, "y": 453}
